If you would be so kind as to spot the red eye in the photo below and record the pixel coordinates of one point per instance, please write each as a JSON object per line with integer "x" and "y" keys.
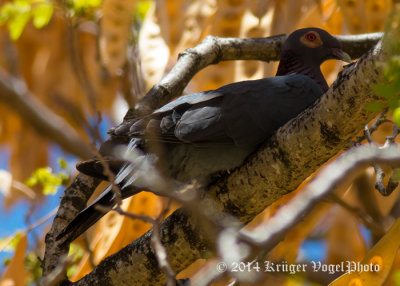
{"x": 311, "y": 37}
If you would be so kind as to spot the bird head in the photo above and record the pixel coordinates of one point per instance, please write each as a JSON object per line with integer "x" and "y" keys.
{"x": 313, "y": 46}
{"x": 306, "y": 49}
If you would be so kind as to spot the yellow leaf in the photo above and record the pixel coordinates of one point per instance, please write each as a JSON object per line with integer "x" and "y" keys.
{"x": 115, "y": 231}
{"x": 380, "y": 258}
{"x": 15, "y": 273}
{"x": 344, "y": 239}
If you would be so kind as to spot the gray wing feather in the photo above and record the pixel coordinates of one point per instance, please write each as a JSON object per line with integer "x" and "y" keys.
{"x": 256, "y": 113}
{"x": 248, "y": 112}
{"x": 243, "y": 113}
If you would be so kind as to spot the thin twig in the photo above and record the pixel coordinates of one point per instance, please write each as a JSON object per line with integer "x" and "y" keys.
{"x": 380, "y": 174}
{"x": 391, "y": 138}
{"x": 378, "y": 122}
{"x": 16, "y": 95}
{"x": 339, "y": 173}
{"x": 81, "y": 75}
{"x": 29, "y": 228}
{"x": 172, "y": 86}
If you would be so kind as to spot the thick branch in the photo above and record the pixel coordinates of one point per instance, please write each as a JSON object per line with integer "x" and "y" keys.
{"x": 340, "y": 173}
{"x": 357, "y": 45}
{"x": 296, "y": 151}
{"x": 337, "y": 175}
{"x": 78, "y": 194}
{"x": 136, "y": 262}
{"x": 214, "y": 50}
{"x": 15, "y": 94}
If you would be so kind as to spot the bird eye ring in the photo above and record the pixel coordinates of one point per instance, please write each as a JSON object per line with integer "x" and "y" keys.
{"x": 311, "y": 37}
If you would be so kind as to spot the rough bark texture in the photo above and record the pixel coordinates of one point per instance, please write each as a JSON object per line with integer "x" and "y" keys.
{"x": 296, "y": 151}
{"x": 337, "y": 175}
{"x": 78, "y": 195}
{"x": 304, "y": 143}
{"x": 214, "y": 50}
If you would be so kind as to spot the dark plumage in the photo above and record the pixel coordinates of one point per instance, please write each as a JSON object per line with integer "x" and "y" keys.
{"x": 200, "y": 134}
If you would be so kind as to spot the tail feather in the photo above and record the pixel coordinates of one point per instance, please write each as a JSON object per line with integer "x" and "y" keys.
{"x": 91, "y": 214}
{"x": 133, "y": 177}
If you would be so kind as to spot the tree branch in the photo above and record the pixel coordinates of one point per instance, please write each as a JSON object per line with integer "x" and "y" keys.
{"x": 297, "y": 150}
{"x": 214, "y": 50}
{"x": 78, "y": 194}
{"x": 336, "y": 175}
{"x": 15, "y": 94}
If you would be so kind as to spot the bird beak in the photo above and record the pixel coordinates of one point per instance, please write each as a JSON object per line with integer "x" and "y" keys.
{"x": 341, "y": 55}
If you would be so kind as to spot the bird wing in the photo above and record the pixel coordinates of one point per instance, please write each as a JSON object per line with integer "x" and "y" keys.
{"x": 257, "y": 111}
{"x": 246, "y": 113}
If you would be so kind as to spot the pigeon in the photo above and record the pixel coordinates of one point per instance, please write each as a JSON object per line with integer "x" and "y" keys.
{"x": 199, "y": 135}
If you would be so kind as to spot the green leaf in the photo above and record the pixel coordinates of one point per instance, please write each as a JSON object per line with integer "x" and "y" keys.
{"x": 17, "y": 24}
{"x": 142, "y": 8}
{"x": 10, "y": 243}
{"x": 23, "y": 3}
{"x": 49, "y": 189}
{"x": 16, "y": 15}
{"x": 63, "y": 164}
{"x": 396, "y": 175}
{"x": 393, "y": 103}
{"x": 396, "y": 116}
{"x": 33, "y": 266}
{"x": 77, "y": 252}
{"x": 385, "y": 91}
{"x": 7, "y": 11}
{"x": 85, "y": 4}
{"x": 396, "y": 277}
{"x": 64, "y": 179}
{"x": 49, "y": 181}
{"x": 42, "y": 14}
{"x": 374, "y": 106}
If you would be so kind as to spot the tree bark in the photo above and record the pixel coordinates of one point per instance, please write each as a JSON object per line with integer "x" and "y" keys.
{"x": 297, "y": 150}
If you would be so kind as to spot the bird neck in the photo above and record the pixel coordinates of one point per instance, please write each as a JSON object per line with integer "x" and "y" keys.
{"x": 290, "y": 64}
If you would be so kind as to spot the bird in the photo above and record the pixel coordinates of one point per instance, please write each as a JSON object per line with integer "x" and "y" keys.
{"x": 199, "y": 135}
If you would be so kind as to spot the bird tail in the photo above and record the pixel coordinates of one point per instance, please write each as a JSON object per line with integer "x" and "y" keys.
{"x": 92, "y": 213}
{"x": 137, "y": 175}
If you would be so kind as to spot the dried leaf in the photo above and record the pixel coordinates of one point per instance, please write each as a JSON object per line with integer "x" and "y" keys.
{"x": 153, "y": 50}
{"x": 344, "y": 239}
{"x": 382, "y": 256}
{"x": 197, "y": 19}
{"x": 365, "y": 16}
{"x": 226, "y": 23}
{"x": 115, "y": 27}
{"x": 15, "y": 273}
{"x": 116, "y": 231}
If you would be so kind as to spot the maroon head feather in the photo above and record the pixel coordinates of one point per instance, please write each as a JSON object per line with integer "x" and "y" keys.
{"x": 306, "y": 49}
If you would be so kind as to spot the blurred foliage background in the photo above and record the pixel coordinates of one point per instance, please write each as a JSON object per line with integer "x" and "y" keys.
{"x": 87, "y": 61}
